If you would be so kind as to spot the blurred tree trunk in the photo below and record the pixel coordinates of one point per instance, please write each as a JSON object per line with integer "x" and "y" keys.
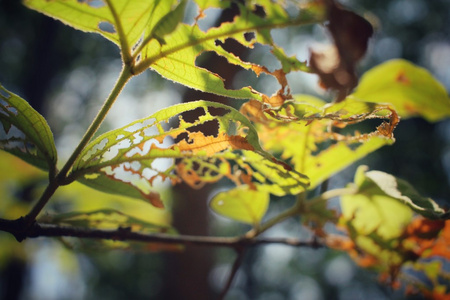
{"x": 187, "y": 272}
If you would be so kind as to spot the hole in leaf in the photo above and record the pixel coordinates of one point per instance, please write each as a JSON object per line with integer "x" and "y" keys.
{"x": 182, "y": 136}
{"x": 106, "y": 27}
{"x": 192, "y": 116}
{"x": 5, "y": 95}
{"x": 5, "y": 108}
{"x": 249, "y": 36}
{"x": 229, "y": 13}
{"x": 233, "y": 46}
{"x": 93, "y": 3}
{"x": 218, "y": 111}
{"x": 218, "y": 65}
{"x": 259, "y": 11}
{"x": 208, "y": 128}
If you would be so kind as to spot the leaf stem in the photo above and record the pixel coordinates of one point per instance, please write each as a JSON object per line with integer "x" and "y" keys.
{"x": 325, "y": 196}
{"x": 237, "y": 263}
{"x": 60, "y": 178}
{"x": 292, "y": 211}
{"x": 124, "y": 76}
{"x": 124, "y": 47}
{"x": 300, "y": 206}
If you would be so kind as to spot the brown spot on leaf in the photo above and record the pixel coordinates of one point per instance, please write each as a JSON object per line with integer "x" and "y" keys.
{"x": 154, "y": 199}
{"x": 402, "y": 78}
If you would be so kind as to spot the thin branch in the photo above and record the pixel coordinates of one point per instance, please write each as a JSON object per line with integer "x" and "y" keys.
{"x": 124, "y": 76}
{"x": 237, "y": 263}
{"x": 16, "y": 228}
{"x": 61, "y": 177}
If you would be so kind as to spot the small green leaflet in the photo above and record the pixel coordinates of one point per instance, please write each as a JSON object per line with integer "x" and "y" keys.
{"x": 380, "y": 183}
{"x": 130, "y": 160}
{"x": 412, "y": 90}
{"x": 241, "y": 204}
{"x": 25, "y": 133}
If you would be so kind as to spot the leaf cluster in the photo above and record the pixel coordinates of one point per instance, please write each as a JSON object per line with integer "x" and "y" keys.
{"x": 279, "y": 144}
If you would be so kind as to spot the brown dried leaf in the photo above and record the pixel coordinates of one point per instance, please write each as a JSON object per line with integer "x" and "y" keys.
{"x": 336, "y": 65}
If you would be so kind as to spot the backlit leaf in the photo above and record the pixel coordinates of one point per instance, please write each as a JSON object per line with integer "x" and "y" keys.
{"x": 150, "y": 35}
{"x": 403, "y": 192}
{"x": 241, "y": 204}
{"x": 412, "y": 90}
{"x": 176, "y": 59}
{"x": 379, "y": 219}
{"x": 300, "y": 132}
{"x": 24, "y": 132}
{"x": 130, "y": 160}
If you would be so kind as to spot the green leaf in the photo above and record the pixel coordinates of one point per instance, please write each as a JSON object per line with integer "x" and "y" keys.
{"x": 412, "y": 90}
{"x": 130, "y": 160}
{"x": 241, "y": 204}
{"x": 168, "y": 24}
{"x": 176, "y": 59}
{"x": 300, "y": 132}
{"x": 150, "y": 35}
{"x": 204, "y": 4}
{"x": 25, "y": 133}
{"x": 400, "y": 190}
{"x": 372, "y": 212}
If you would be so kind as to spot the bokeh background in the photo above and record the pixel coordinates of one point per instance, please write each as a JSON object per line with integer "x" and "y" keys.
{"x": 65, "y": 75}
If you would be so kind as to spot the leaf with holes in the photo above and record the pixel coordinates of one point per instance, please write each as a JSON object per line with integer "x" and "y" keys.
{"x": 299, "y": 132}
{"x": 412, "y": 90}
{"x": 151, "y": 34}
{"x": 25, "y": 133}
{"x": 241, "y": 204}
{"x": 207, "y": 141}
{"x": 176, "y": 58}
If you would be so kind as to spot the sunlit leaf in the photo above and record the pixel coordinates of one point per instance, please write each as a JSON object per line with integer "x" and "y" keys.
{"x": 203, "y": 4}
{"x": 412, "y": 90}
{"x": 403, "y": 192}
{"x": 241, "y": 204}
{"x": 150, "y": 35}
{"x": 132, "y": 159}
{"x": 300, "y": 132}
{"x": 24, "y": 132}
{"x": 176, "y": 59}
{"x": 77, "y": 197}
{"x": 383, "y": 227}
